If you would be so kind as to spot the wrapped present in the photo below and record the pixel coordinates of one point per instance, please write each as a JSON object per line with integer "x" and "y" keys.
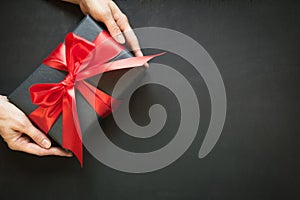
{"x": 67, "y": 83}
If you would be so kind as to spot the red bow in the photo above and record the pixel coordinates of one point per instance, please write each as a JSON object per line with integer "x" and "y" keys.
{"x": 81, "y": 59}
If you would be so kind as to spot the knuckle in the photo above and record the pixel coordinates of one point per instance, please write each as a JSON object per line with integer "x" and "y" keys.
{"x": 55, "y": 152}
{"x": 12, "y": 146}
{"x": 39, "y": 152}
{"x": 22, "y": 122}
{"x": 111, "y": 3}
{"x": 106, "y": 14}
{"x": 114, "y": 29}
{"x": 37, "y": 137}
{"x": 123, "y": 18}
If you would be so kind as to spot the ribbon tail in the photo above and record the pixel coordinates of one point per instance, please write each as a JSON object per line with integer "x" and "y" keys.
{"x": 71, "y": 132}
{"x": 44, "y": 118}
{"x": 115, "y": 65}
{"x": 102, "y": 103}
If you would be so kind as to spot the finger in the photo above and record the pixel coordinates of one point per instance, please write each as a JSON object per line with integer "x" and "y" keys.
{"x": 23, "y": 139}
{"x": 122, "y": 21}
{"x": 113, "y": 28}
{"x": 36, "y": 135}
{"x": 35, "y": 149}
{"x": 4, "y": 98}
{"x": 83, "y": 9}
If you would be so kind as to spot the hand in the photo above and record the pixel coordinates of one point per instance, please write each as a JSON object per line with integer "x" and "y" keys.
{"x": 16, "y": 130}
{"x": 108, "y": 12}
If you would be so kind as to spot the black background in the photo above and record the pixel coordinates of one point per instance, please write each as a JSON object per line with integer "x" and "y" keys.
{"x": 255, "y": 45}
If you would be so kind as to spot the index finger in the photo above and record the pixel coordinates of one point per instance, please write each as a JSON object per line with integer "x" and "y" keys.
{"x": 35, "y": 149}
{"x": 123, "y": 24}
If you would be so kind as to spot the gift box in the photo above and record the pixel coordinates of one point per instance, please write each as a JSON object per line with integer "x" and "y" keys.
{"x": 54, "y": 72}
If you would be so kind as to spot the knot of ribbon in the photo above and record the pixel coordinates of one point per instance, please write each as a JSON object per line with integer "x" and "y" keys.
{"x": 81, "y": 59}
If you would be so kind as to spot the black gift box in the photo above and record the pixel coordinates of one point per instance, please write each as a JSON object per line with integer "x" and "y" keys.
{"x": 88, "y": 29}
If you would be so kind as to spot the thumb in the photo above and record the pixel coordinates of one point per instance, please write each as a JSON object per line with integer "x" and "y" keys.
{"x": 36, "y": 135}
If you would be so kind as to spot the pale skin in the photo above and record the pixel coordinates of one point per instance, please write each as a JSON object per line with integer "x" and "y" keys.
{"x": 16, "y": 129}
{"x": 117, "y": 23}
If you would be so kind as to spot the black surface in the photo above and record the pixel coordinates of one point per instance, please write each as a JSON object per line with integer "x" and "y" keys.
{"x": 255, "y": 45}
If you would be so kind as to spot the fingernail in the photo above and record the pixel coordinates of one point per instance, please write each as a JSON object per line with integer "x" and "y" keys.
{"x": 69, "y": 154}
{"x": 146, "y": 65}
{"x": 120, "y": 38}
{"x": 46, "y": 143}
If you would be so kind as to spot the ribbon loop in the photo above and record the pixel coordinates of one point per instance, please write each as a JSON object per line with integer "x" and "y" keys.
{"x": 46, "y": 95}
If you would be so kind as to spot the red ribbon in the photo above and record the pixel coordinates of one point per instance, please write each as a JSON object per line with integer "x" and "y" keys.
{"x": 81, "y": 59}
